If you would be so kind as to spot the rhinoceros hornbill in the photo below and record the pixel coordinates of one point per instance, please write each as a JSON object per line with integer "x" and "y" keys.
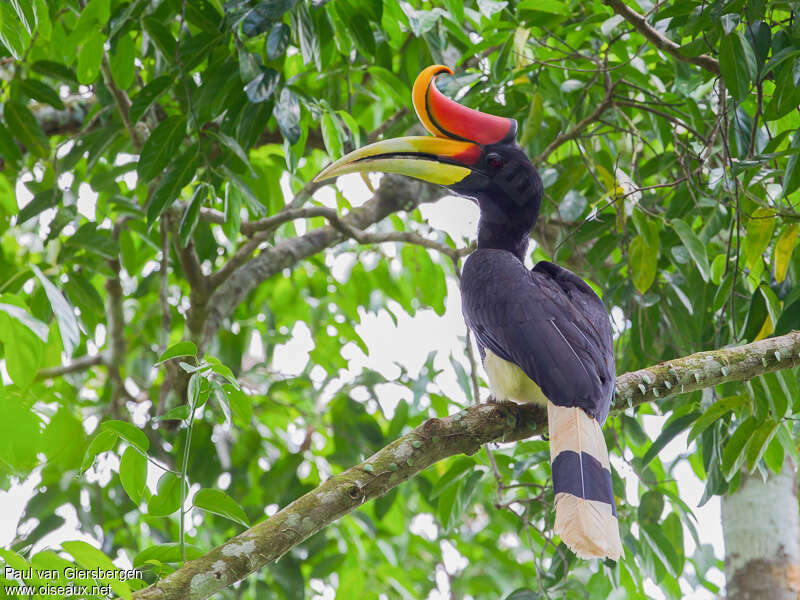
{"x": 543, "y": 333}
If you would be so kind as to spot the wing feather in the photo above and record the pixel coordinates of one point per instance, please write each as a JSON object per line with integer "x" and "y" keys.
{"x": 547, "y": 321}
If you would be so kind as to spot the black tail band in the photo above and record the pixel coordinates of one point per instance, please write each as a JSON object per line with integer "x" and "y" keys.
{"x": 583, "y": 476}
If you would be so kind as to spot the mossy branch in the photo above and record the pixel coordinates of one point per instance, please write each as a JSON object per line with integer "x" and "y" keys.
{"x": 436, "y": 439}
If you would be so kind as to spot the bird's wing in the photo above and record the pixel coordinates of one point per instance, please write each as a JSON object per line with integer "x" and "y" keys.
{"x": 546, "y": 321}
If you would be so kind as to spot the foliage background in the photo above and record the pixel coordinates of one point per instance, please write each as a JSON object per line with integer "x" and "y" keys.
{"x": 671, "y": 182}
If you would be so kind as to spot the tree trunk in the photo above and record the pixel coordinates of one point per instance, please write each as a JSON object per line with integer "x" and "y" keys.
{"x": 761, "y": 528}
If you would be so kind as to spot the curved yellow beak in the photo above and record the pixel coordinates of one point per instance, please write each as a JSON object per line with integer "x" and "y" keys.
{"x": 437, "y": 160}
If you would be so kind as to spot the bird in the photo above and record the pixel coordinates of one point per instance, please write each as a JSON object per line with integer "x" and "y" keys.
{"x": 543, "y": 334}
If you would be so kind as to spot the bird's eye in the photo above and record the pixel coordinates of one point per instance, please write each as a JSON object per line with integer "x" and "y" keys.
{"x": 494, "y": 160}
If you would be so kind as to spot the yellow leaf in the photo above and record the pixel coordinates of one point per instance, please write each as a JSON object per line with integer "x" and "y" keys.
{"x": 643, "y": 262}
{"x": 521, "y": 51}
{"x": 766, "y": 329}
{"x": 758, "y": 235}
{"x": 783, "y": 251}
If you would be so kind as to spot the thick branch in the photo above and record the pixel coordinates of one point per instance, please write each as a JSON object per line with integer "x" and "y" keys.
{"x": 437, "y": 439}
{"x": 709, "y": 63}
{"x": 394, "y": 194}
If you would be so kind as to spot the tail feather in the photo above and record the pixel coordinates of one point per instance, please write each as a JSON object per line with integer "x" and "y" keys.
{"x": 586, "y": 515}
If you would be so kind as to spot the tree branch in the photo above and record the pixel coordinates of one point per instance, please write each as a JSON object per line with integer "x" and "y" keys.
{"x": 394, "y": 194}
{"x": 563, "y": 138}
{"x": 121, "y": 100}
{"x": 79, "y": 364}
{"x": 639, "y": 22}
{"x": 436, "y": 439}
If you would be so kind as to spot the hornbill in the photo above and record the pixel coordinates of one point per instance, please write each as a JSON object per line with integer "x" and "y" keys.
{"x": 543, "y": 334}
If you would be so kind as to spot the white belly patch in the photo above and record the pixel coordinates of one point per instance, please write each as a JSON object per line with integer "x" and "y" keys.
{"x": 509, "y": 382}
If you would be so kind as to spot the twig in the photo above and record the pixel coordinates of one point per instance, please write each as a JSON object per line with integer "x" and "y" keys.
{"x": 578, "y": 128}
{"x": 641, "y": 25}
{"x": 79, "y": 364}
{"x": 121, "y": 100}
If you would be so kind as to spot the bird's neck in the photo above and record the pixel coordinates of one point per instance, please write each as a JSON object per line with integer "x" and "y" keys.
{"x": 509, "y": 237}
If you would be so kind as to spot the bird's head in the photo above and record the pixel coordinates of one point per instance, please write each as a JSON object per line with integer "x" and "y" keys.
{"x": 474, "y": 154}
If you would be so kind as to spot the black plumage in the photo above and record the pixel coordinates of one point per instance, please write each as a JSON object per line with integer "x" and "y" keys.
{"x": 547, "y": 321}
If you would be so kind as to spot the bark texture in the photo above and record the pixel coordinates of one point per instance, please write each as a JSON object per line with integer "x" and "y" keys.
{"x": 761, "y": 527}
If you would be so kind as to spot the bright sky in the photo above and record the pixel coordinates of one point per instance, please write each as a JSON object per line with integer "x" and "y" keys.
{"x": 407, "y": 343}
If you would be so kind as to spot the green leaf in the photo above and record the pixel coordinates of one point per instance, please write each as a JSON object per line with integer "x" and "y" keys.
{"x": 191, "y": 215}
{"x": 56, "y": 70}
{"x": 490, "y": 7}
{"x": 457, "y": 469}
{"x": 179, "y": 413}
{"x": 92, "y": 20}
{"x": 65, "y": 314}
{"x": 11, "y": 155}
{"x": 25, "y": 128}
{"x": 759, "y": 442}
{"x": 693, "y": 244}
{"x": 328, "y": 564}
{"x": 90, "y": 57}
{"x": 23, "y": 337}
{"x": 218, "y": 502}
{"x": 232, "y": 145}
{"x": 672, "y": 429}
{"x": 133, "y": 474}
{"x": 41, "y": 92}
{"x": 523, "y": 594}
{"x": 87, "y": 555}
{"x": 662, "y": 547}
{"x": 240, "y": 403}
{"x": 148, "y": 95}
{"x": 644, "y": 262}
{"x": 260, "y": 89}
{"x": 791, "y": 178}
{"x": 789, "y": 319}
{"x": 757, "y": 313}
{"x": 278, "y": 40}
{"x": 167, "y": 553}
{"x": 651, "y": 505}
{"x": 18, "y": 313}
{"x": 715, "y": 412}
{"x": 161, "y": 35}
{"x": 20, "y": 436}
{"x": 330, "y": 136}
{"x": 161, "y": 147}
{"x": 737, "y": 64}
{"x": 384, "y": 503}
{"x": 222, "y": 399}
{"x": 44, "y": 26}
{"x": 12, "y": 33}
{"x": 130, "y": 433}
{"x": 287, "y": 114}
{"x": 102, "y": 442}
{"x": 556, "y": 7}
{"x": 182, "y": 348}
{"x": 734, "y": 454}
{"x": 167, "y": 499}
{"x": 178, "y": 176}
{"x": 122, "y": 58}
{"x": 778, "y": 58}
{"x": 258, "y": 20}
